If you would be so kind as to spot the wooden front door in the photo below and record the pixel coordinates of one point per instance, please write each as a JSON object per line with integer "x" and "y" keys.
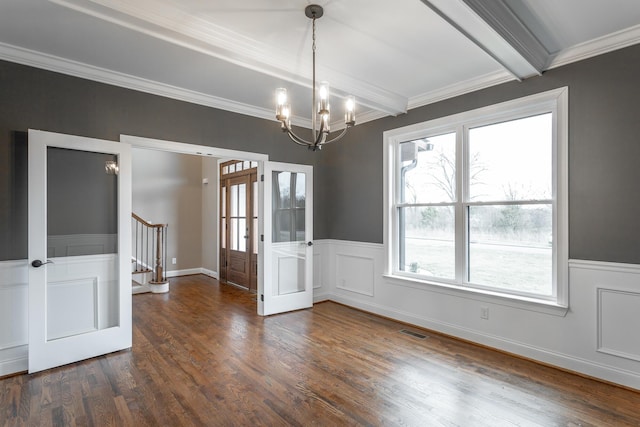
{"x": 238, "y": 225}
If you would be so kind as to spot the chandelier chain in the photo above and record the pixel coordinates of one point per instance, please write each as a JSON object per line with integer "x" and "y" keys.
{"x": 283, "y": 111}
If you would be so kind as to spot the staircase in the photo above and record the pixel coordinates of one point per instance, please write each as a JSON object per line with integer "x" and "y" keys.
{"x": 149, "y": 256}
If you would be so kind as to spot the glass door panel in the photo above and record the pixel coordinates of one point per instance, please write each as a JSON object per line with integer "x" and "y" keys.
{"x": 288, "y": 254}
{"x": 79, "y": 248}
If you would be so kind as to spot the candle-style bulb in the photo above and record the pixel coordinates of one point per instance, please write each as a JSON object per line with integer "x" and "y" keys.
{"x": 350, "y": 111}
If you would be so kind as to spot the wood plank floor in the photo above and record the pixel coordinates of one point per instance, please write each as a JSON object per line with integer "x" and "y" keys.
{"x": 201, "y": 356}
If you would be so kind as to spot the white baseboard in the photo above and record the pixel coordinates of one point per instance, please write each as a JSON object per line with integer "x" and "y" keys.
{"x": 185, "y": 272}
{"x": 564, "y": 361}
{"x": 210, "y": 273}
{"x": 14, "y": 360}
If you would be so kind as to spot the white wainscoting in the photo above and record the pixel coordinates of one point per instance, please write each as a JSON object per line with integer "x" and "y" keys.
{"x": 597, "y": 336}
{"x": 14, "y": 302}
{"x": 617, "y": 308}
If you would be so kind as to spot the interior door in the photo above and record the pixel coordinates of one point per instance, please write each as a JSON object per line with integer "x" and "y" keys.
{"x": 287, "y": 282}
{"x": 79, "y": 248}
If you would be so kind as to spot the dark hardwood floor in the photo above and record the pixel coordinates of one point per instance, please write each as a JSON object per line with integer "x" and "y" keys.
{"x": 201, "y": 356}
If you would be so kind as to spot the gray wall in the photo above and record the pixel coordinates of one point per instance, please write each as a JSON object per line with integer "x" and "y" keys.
{"x": 603, "y": 144}
{"x": 604, "y": 157}
{"x": 44, "y": 100}
{"x": 166, "y": 189}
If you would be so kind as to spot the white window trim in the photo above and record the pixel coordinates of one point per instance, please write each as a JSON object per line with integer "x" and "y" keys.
{"x": 557, "y": 100}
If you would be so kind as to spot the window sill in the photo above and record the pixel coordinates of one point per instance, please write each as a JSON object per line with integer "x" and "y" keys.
{"x": 514, "y": 301}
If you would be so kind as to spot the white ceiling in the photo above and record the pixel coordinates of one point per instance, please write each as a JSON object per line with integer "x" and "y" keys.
{"x": 231, "y": 54}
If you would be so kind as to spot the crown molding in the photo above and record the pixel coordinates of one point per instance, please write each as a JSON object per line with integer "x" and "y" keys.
{"x": 595, "y": 47}
{"x": 73, "y": 68}
{"x": 467, "y": 86}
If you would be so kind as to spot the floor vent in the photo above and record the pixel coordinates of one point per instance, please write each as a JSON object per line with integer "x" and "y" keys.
{"x": 413, "y": 334}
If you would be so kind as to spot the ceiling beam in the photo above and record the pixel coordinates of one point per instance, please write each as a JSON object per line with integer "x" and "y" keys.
{"x": 494, "y": 28}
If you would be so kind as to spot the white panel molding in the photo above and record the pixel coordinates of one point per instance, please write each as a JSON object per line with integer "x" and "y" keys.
{"x": 607, "y": 372}
{"x": 59, "y": 325}
{"x": 615, "y": 310}
{"x": 568, "y": 341}
{"x": 599, "y": 46}
{"x": 357, "y": 271}
{"x": 14, "y": 286}
{"x": 317, "y": 271}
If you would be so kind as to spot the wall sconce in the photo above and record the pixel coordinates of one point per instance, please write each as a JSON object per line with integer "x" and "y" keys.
{"x": 111, "y": 167}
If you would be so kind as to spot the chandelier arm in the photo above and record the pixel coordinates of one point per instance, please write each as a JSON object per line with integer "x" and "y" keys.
{"x": 343, "y": 133}
{"x": 295, "y": 138}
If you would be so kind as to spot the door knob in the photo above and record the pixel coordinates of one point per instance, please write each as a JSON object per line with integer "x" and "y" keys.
{"x": 37, "y": 263}
{"x": 309, "y": 243}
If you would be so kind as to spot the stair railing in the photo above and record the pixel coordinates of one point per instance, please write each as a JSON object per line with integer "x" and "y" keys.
{"x": 149, "y": 249}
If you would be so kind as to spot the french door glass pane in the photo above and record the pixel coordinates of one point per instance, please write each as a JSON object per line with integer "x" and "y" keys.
{"x": 242, "y": 200}
{"x": 429, "y": 170}
{"x": 82, "y": 291}
{"x": 282, "y": 183}
{"x": 427, "y": 241}
{"x": 223, "y": 202}
{"x": 233, "y": 223}
{"x": 510, "y": 247}
{"x": 511, "y": 160}
{"x": 233, "y": 200}
{"x": 288, "y": 233}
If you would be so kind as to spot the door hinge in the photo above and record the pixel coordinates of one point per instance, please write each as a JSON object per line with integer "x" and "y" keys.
{"x": 262, "y": 177}
{"x": 262, "y": 297}
{"x": 262, "y": 237}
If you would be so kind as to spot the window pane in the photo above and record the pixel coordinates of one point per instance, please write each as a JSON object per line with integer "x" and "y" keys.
{"x": 300, "y": 190}
{"x": 427, "y": 241}
{"x": 511, "y": 160}
{"x": 234, "y": 233}
{"x": 225, "y": 170}
{"x": 254, "y": 199}
{"x": 510, "y": 247}
{"x": 282, "y": 226}
{"x": 233, "y": 195}
{"x": 232, "y": 168}
{"x": 300, "y": 225}
{"x": 428, "y": 170}
{"x": 255, "y": 235}
{"x": 223, "y": 238}
{"x": 242, "y": 200}
{"x": 223, "y": 202}
{"x": 242, "y": 231}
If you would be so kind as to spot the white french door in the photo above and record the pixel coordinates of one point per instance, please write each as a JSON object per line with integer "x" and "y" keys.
{"x": 79, "y": 248}
{"x": 287, "y": 280}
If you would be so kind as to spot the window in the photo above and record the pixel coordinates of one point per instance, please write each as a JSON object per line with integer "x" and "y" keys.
{"x": 477, "y": 200}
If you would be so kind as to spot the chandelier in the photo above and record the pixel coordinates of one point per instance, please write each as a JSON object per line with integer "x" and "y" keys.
{"x": 320, "y": 111}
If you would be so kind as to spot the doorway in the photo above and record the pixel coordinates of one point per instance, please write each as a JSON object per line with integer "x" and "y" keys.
{"x": 239, "y": 223}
